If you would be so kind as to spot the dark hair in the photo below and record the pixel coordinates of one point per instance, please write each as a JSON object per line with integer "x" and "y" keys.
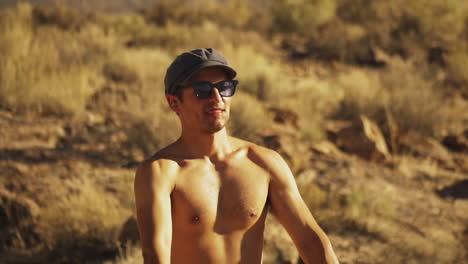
{"x": 179, "y": 93}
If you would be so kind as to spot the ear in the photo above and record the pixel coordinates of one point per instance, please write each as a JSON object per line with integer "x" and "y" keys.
{"x": 174, "y": 102}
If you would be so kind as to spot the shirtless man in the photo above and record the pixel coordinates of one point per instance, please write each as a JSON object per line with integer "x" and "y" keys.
{"x": 204, "y": 198}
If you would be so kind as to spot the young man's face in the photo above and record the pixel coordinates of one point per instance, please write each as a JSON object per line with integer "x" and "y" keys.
{"x": 208, "y": 115}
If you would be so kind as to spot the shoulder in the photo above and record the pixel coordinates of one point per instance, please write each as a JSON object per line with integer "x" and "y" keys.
{"x": 266, "y": 158}
{"x": 162, "y": 162}
{"x": 157, "y": 167}
{"x": 159, "y": 171}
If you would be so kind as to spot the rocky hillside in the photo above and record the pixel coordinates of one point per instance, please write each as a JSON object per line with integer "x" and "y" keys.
{"x": 59, "y": 188}
{"x": 369, "y": 106}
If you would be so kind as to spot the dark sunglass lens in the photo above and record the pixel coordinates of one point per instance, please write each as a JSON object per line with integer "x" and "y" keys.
{"x": 202, "y": 89}
{"x": 227, "y": 88}
{"x": 228, "y": 92}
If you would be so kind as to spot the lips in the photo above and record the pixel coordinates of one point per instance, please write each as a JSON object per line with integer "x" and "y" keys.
{"x": 215, "y": 111}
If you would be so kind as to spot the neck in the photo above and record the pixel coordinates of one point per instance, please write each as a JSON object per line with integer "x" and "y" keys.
{"x": 200, "y": 145}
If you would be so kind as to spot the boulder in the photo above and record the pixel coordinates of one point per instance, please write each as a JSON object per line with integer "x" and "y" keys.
{"x": 364, "y": 139}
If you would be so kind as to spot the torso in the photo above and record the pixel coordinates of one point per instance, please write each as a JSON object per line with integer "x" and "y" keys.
{"x": 219, "y": 209}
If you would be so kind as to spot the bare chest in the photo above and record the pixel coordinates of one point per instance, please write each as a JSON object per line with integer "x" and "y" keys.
{"x": 224, "y": 197}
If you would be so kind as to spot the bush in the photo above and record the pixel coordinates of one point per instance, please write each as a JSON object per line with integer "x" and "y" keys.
{"x": 38, "y": 73}
{"x": 302, "y": 16}
{"x": 61, "y": 16}
{"x": 400, "y": 27}
{"x": 84, "y": 223}
{"x": 258, "y": 75}
{"x": 402, "y": 92}
{"x": 248, "y": 117}
{"x": 180, "y": 11}
{"x": 457, "y": 64}
{"x": 137, "y": 96}
{"x": 243, "y": 15}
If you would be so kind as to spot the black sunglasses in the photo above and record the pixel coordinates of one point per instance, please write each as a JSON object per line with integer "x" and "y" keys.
{"x": 203, "y": 90}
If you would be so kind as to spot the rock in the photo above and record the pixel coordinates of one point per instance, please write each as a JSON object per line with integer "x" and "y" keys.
{"x": 129, "y": 232}
{"x": 17, "y": 207}
{"x": 364, "y": 139}
{"x": 455, "y": 144}
{"x": 17, "y": 217}
{"x": 296, "y": 155}
{"x": 284, "y": 116}
{"x": 327, "y": 148}
{"x": 457, "y": 190}
{"x": 94, "y": 118}
{"x": 425, "y": 146}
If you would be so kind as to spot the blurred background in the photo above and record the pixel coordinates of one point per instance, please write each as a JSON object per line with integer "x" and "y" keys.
{"x": 367, "y": 100}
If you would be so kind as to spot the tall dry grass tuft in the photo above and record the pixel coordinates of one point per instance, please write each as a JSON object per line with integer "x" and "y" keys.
{"x": 260, "y": 76}
{"x": 134, "y": 91}
{"x": 248, "y": 118}
{"x": 131, "y": 255}
{"x": 302, "y": 16}
{"x": 401, "y": 27}
{"x": 413, "y": 100}
{"x": 84, "y": 223}
{"x": 38, "y": 73}
{"x": 457, "y": 64}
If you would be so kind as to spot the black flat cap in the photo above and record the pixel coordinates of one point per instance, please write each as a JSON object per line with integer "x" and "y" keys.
{"x": 188, "y": 63}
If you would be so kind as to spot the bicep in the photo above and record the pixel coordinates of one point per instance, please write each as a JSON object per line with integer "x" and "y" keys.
{"x": 153, "y": 206}
{"x": 288, "y": 206}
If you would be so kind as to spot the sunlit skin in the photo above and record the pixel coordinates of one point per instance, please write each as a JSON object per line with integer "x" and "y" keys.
{"x": 204, "y": 198}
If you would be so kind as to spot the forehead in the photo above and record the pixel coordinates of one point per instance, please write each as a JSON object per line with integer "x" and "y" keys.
{"x": 210, "y": 74}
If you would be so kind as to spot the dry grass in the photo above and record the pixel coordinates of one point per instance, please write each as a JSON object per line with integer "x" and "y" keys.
{"x": 114, "y": 65}
{"x": 248, "y": 117}
{"x": 457, "y": 65}
{"x": 260, "y": 76}
{"x": 38, "y": 73}
{"x": 85, "y": 222}
{"x": 131, "y": 255}
{"x": 295, "y": 16}
{"x": 401, "y": 93}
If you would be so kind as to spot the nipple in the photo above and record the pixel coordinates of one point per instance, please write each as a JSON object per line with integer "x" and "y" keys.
{"x": 252, "y": 214}
{"x": 195, "y": 219}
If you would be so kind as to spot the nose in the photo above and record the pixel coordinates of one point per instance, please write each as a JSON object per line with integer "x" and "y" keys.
{"x": 216, "y": 96}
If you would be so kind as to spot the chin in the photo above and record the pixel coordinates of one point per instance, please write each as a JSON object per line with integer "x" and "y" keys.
{"x": 216, "y": 126}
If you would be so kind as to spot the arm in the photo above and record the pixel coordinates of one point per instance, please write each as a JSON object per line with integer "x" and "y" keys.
{"x": 291, "y": 211}
{"x": 153, "y": 206}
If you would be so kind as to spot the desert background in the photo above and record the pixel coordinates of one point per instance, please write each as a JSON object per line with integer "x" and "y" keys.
{"x": 367, "y": 100}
